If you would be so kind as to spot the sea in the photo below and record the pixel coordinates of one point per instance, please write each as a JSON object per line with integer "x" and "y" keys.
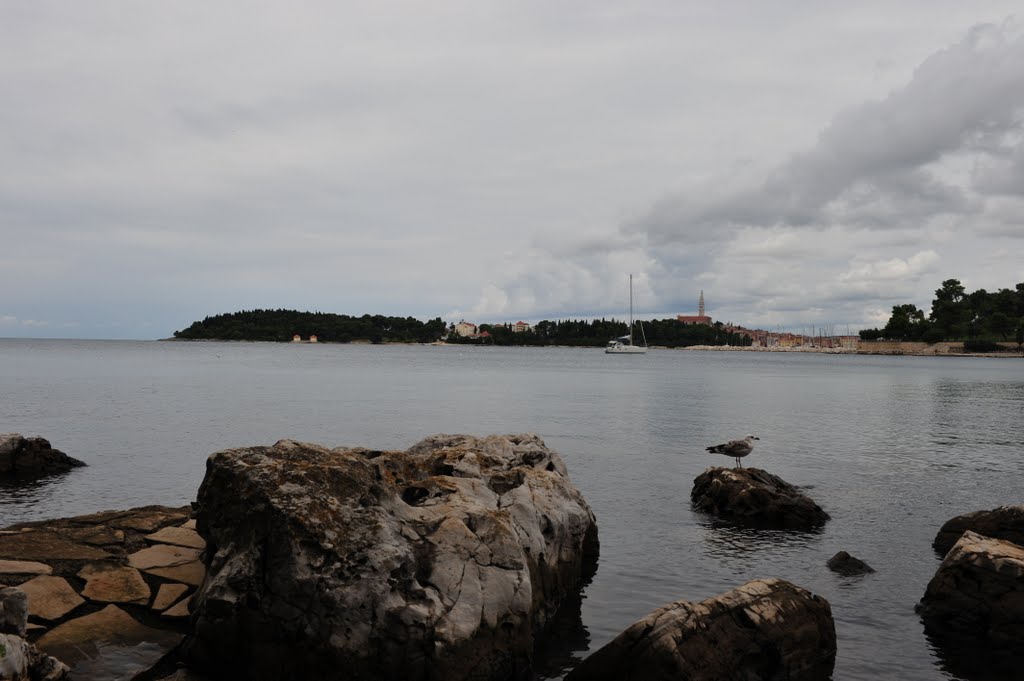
{"x": 891, "y": 447}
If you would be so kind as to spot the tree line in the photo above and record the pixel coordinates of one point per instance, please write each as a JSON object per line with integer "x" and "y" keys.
{"x": 981, "y": 318}
{"x": 281, "y": 325}
{"x": 594, "y": 333}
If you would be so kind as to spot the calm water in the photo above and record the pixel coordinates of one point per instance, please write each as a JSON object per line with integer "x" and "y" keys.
{"x": 891, "y": 447}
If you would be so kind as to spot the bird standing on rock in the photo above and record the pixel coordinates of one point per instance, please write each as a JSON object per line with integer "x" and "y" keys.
{"x": 735, "y": 448}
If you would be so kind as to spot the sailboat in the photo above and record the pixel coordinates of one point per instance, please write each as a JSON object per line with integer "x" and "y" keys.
{"x": 624, "y": 345}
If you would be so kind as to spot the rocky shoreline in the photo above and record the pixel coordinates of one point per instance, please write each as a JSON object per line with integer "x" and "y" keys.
{"x": 448, "y": 560}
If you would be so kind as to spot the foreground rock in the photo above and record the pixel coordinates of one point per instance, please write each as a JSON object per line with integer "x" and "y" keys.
{"x": 765, "y": 629}
{"x": 1005, "y": 522}
{"x": 440, "y": 562}
{"x": 978, "y": 594}
{"x": 19, "y": 659}
{"x": 32, "y": 456}
{"x": 755, "y": 496}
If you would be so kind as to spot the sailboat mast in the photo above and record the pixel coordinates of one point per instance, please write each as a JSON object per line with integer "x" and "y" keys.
{"x": 631, "y": 309}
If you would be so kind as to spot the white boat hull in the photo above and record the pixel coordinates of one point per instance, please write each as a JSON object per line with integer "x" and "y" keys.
{"x": 622, "y": 349}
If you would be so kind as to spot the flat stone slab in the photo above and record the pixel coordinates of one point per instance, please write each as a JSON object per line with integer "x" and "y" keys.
{"x": 190, "y": 573}
{"x": 177, "y": 563}
{"x": 189, "y": 524}
{"x": 46, "y": 546}
{"x": 149, "y": 519}
{"x": 107, "y": 583}
{"x": 13, "y": 569}
{"x": 98, "y": 535}
{"x": 50, "y": 598}
{"x": 179, "y": 610}
{"x": 162, "y": 556}
{"x": 168, "y": 595}
{"x": 142, "y": 519}
{"x": 178, "y": 536}
{"x": 108, "y": 644}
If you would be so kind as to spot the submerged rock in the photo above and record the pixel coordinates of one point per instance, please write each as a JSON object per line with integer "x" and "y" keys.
{"x": 1005, "y": 522}
{"x": 440, "y": 562}
{"x": 977, "y": 594}
{"x": 765, "y": 629}
{"x": 32, "y": 456}
{"x": 847, "y": 565}
{"x": 755, "y": 496}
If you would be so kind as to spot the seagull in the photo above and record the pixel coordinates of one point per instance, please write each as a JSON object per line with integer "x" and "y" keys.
{"x": 735, "y": 448}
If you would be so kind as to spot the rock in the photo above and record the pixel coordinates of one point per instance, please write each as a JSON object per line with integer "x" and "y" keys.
{"x": 13, "y": 611}
{"x": 50, "y": 598}
{"x": 1005, "y": 522}
{"x": 176, "y": 563}
{"x": 178, "y": 536}
{"x": 108, "y": 644}
{"x": 978, "y": 594}
{"x": 33, "y": 456}
{"x": 440, "y": 562}
{"x": 167, "y": 595}
{"x": 179, "y": 609}
{"x": 755, "y": 496}
{"x": 108, "y": 583}
{"x": 20, "y": 660}
{"x": 847, "y": 565}
{"x": 46, "y": 546}
{"x": 19, "y": 570}
{"x": 765, "y": 629}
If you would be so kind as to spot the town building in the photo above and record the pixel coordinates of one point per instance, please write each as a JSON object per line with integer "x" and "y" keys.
{"x": 464, "y": 328}
{"x": 699, "y": 318}
{"x": 520, "y": 327}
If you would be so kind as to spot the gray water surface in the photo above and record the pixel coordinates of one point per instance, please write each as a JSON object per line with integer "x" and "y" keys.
{"x": 891, "y": 447}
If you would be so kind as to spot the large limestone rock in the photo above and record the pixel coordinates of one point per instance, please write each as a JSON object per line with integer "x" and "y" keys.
{"x": 1005, "y": 522}
{"x": 440, "y": 562}
{"x": 32, "y": 456}
{"x": 765, "y": 629}
{"x": 978, "y": 593}
{"x": 755, "y": 496}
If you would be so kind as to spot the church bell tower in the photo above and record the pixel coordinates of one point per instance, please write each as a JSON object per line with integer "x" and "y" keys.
{"x": 700, "y": 305}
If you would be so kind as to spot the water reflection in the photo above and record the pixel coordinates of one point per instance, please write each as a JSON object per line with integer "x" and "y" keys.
{"x": 565, "y": 642}
{"x": 743, "y": 545}
{"x": 971, "y": 659}
{"x": 17, "y": 493}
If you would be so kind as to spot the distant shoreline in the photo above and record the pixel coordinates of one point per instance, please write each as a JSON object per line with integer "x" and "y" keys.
{"x": 699, "y": 348}
{"x": 851, "y": 351}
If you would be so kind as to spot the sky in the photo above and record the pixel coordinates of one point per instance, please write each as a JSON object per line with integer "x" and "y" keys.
{"x": 801, "y": 163}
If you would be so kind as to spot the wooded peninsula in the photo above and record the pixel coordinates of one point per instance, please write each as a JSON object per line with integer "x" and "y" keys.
{"x": 980, "y": 319}
{"x": 283, "y": 325}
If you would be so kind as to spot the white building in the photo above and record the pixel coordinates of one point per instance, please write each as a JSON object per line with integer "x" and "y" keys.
{"x": 464, "y": 328}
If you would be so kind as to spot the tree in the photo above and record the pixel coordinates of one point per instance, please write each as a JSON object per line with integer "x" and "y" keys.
{"x": 906, "y": 323}
{"x": 949, "y": 312}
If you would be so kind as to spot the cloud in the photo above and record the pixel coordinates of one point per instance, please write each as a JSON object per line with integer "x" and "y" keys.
{"x": 879, "y": 164}
{"x": 893, "y": 269}
{"x": 887, "y": 196}
{"x": 514, "y": 160}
